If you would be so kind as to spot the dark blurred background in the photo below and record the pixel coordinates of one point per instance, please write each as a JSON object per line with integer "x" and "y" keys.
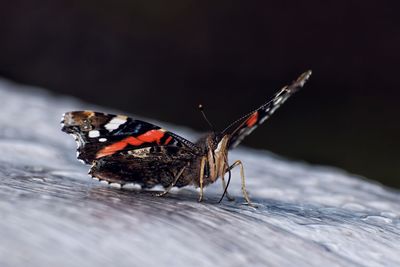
{"x": 161, "y": 58}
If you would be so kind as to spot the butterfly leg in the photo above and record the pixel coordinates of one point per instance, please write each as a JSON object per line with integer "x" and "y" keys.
{"x": 224, "y": 188}
{"x": 237, "y": 163}
{"x": 172, "y": 184}
{"x": 202, "y": 165}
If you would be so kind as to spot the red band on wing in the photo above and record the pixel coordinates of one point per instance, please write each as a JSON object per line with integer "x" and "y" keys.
{"x": 252, "y": 120}
{"x": 168, "y": 140}
{"x": 151, "y": 136}
{"x": 148, "y": 137}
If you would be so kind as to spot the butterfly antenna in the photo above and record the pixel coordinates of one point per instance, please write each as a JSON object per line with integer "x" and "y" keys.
{"x": 201, "y": 108}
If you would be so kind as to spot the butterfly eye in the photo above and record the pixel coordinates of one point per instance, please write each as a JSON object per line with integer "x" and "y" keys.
{"x": 86, "y": 126}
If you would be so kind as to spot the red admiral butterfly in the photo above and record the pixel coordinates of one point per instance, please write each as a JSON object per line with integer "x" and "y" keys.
{"x": 123, "y": 150}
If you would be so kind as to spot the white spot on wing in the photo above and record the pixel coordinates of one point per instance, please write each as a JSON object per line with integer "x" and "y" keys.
{"x": 278, "y": 100}
{"x": 273, "y": 109}
{"x": 131, "y": 186}
{"x": 103, "y": 139}
{"x": 115, "y": 185}
{"x": 94, "y": 134}
{"x": 263, "y": 119}
{"x": 115, "y": 123}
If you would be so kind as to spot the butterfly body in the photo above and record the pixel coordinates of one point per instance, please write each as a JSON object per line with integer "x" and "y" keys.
{"x": 122, "y": 150}
{"x": 120, "y": 159}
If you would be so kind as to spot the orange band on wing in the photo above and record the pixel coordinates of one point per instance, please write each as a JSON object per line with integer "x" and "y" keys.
{"x": 151, "y": 136}
{"x": 168, "y": 140}
{"x": 252, "y": 120}
{"x": 148, "y": 137}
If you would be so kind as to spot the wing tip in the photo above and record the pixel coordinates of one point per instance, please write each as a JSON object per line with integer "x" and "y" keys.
{"x": 303, "y": 78}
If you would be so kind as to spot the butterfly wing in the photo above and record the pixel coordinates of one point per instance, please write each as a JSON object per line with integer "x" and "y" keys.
{"x": 239, "y": 129}
{"x": 149, "y": 166}
{"x": 99, "y": 134}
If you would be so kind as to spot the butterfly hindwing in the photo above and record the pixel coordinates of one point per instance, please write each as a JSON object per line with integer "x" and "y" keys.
{"x": 148, "y": 166}
{"x": 99, "y": 134}
{"x": 248, "y": 123}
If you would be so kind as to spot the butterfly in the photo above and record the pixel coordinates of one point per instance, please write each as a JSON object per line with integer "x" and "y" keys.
{"x": 123, "y": 150}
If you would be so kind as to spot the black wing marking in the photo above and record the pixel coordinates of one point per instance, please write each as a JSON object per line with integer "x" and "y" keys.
{"x": 100, "y": 134}
{"x": 147, "y": 166}
{"x": 248, "y": 123}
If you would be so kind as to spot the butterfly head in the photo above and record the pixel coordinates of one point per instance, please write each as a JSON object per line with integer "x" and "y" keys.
{"x": 217, "y": 155}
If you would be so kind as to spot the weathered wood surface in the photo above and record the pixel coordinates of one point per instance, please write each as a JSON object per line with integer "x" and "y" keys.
{"x": 53, "y": 214}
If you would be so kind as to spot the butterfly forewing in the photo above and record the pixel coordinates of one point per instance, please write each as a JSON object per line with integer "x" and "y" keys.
{"x": 99, "y": 134}
{"x": 248, "y": 123}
